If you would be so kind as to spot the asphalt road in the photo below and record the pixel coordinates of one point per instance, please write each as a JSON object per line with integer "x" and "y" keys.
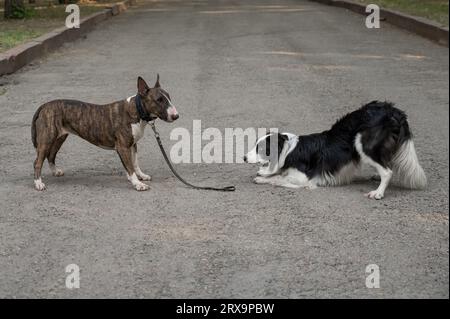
{"x": 295, "y": 65}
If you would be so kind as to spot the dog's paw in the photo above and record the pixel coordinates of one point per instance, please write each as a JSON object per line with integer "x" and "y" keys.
{"x": 144, "y": 177}
{"x": 259, "y": 180}
{"x": 141, "y": 187}
{"x": 39, "y": 185}
{"x": 311, "y": 186}
{"x": 375, "y": 195}
{"x": 58, "y": 172}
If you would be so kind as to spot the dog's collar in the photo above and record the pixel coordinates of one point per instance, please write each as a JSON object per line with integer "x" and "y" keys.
{"x": 143, "y": 114}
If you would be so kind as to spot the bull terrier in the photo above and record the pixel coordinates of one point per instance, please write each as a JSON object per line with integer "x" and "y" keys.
{"x": 116, "y": 126}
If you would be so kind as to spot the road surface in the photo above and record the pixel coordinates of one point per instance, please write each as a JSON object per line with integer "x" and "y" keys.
{"x": 294, "y": 65}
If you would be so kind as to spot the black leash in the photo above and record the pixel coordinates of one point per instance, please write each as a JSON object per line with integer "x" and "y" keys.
{"x": 158, "y": 139}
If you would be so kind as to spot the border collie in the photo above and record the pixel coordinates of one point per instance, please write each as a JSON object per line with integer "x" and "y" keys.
{"x": 377, "y": 134}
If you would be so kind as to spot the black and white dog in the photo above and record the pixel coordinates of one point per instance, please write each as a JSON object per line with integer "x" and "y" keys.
{"x": 377, "y": 134}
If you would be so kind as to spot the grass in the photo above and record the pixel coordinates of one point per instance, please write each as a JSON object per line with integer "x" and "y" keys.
{"x": 436, "y": 10}
{"x": 46, "y": 17}
{"x": 9, "y": 39}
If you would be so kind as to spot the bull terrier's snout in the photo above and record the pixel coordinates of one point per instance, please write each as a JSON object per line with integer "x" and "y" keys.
{"x": 172, "y": 113}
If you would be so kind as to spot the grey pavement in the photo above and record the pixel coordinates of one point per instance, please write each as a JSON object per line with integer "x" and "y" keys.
{"x": 294, "y": 65}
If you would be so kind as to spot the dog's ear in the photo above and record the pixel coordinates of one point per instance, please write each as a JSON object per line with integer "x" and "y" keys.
{"x": 157, "y": 81}
{"x": 142, "y": 86}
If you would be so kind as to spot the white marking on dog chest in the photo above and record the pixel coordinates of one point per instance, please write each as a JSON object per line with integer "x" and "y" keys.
{"x": 137, "y": 129}
{"x": 129, "y": 98}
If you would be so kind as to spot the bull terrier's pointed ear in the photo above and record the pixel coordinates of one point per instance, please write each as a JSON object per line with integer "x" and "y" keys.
{"x": 157, "y": 81}
{"x": 142, "y": 86}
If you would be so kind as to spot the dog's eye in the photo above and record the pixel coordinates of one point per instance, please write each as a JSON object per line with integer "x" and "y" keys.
{"x": 160, "y": 99}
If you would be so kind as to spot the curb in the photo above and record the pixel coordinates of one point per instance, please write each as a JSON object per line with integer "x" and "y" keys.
{"x": 21, "y": 55}
{"x": 420, "y": 26}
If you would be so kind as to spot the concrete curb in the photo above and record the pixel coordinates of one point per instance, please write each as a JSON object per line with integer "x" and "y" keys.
{"x": 21, "y": 55}
{"x": 420, "y": 26}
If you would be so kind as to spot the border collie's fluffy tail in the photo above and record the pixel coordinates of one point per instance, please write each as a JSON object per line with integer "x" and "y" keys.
{"x": 407, "y": 168}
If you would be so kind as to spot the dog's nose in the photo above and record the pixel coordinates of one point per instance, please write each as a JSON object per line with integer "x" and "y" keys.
{"x": 175, "y": 116}
{"x": 245, "y": 158}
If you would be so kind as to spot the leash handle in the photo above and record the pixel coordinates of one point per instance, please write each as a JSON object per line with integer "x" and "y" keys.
{"x": 169, "y": 163}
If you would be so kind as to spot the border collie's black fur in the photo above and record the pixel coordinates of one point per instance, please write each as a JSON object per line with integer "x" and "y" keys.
{"x": 377, "y": 134}
{"x": 384, "y": 128}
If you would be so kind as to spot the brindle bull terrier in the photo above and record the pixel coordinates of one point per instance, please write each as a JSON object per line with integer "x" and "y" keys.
{"x": 116, "y": 126}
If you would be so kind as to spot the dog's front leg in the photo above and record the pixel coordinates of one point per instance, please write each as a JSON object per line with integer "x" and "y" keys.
{"x": 125, "y": 154}
{"x": 291, "y": 178}
{"x": 264, "y": 172}
{"x": 141, "y": 175}
{"x": 276, "y": 180}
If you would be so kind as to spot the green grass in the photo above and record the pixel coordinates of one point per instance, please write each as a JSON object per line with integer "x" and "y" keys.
{"x": 436, "y": 10}
{"x": 9, "y": 39}
{"x": 44, "y": 19}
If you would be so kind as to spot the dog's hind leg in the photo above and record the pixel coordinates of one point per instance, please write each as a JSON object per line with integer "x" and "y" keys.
{"x": 42, "y": 152}
{"x": 141, "y": 175}
{"x": 44, "y": 136}
{"x": 368, "y": 157}
{"x": 385, "y": 176}
{"x": 52, "y": 155}
{"x": 125, "y": 154}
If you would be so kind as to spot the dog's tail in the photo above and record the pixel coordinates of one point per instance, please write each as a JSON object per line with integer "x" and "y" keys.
{"x": 407, "y": 168}
{"x": 33, "y": 126}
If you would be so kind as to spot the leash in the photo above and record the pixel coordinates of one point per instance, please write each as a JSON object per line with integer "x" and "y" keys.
{"x": 169, "y": 163}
